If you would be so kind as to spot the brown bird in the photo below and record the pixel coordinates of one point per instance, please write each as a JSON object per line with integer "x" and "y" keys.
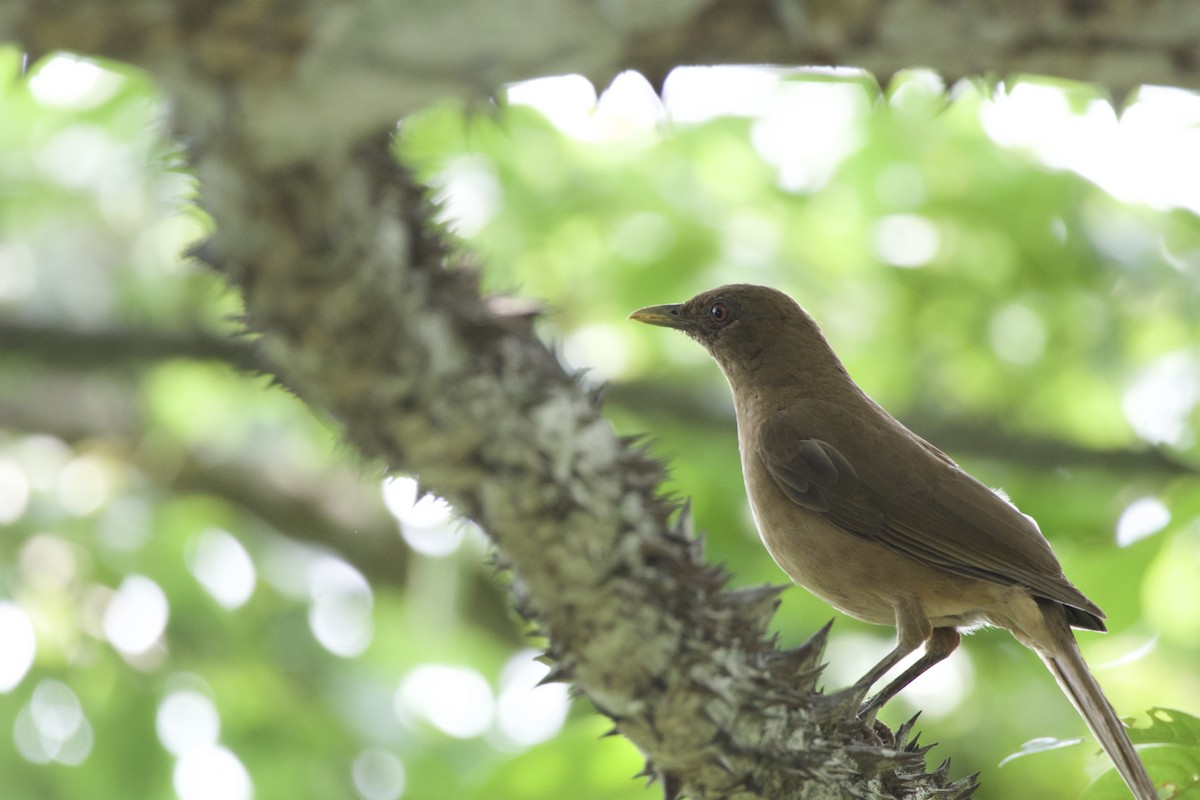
{"x": 876, "y": 521}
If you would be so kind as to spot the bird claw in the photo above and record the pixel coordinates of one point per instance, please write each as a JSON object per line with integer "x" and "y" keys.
{"x": 883, "y": 734}
{"x": 868, "y": 710}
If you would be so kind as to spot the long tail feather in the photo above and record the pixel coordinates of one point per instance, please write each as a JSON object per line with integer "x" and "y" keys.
{"x": 1076, "y": 680}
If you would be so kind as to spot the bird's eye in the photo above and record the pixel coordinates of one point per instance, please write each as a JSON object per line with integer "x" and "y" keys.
{"x": 719, "y": 312}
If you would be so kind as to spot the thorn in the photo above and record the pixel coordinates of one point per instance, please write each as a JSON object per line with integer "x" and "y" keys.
{"x": 872, "y": 758}
{"x": 803, "y": 661}
{"x": 513, "y": 306}
{"x": 964, "y": 787}
{"x": 672, "y": 787}
{"x": 843, "y": 703}
{"x": 759, "y": 602}
{"x": 610, "y": 732}
{"x": 904, "y": 730}
{"x": 683, "y": 525}
{"x": 817, "y": 640}
{"x": 559, "y": 673}
{"x": 596, "y": 394}
{"x": 753, "y": 595}
{"x": 716, "y": 575}
{"x": 659, "y": 548}
{"x": 754, "y": 607}
{"x": 203, "y": 250}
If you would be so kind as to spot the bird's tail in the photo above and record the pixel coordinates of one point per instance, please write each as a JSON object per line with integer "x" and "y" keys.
{"x": 1073, "y": 675}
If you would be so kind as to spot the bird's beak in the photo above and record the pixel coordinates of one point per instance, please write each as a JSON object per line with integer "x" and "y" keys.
{"x": 667, "y": 316}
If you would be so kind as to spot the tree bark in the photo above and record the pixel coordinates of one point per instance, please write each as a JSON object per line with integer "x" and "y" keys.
{"x": 286, "y": 107}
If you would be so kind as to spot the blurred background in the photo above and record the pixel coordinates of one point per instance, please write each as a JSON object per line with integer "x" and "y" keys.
{"x": 203, "y": 595}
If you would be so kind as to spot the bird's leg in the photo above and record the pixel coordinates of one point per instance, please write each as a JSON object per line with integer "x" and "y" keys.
{"x": 898, "y": 654}
{"x": 941, "y": 643}
{"x": 912, "y": 629}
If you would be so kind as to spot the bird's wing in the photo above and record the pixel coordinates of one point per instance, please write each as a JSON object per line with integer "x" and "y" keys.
{"x": 883, "y": 483}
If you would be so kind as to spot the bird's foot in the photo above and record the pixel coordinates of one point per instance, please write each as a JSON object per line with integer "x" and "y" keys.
{"x": 883, "y": 733}
{"x": 868, "y": 710}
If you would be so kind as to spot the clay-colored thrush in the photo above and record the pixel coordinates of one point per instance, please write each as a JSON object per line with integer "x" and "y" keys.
{"x": 876, "y": 521}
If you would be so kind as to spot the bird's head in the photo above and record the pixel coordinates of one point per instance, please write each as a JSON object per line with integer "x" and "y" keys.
{"x": 755, "y": 333}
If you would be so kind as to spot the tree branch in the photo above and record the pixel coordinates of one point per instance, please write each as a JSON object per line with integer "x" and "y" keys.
{"x": 88, "y": 348}
{"x": 1111, "y": 44}
{"x": 378, "y": 326}
{"x": 280, "y": 53}
{"x": 364, "y": 312}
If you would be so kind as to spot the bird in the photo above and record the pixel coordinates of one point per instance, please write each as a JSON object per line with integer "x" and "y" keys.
{"x": 879, "y": 523}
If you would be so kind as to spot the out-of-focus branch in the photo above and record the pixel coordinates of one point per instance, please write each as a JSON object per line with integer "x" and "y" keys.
{"x": 339, "y": 511}
{"x": 286, "y": 55}
{"x": 1117, "y": 45}
{"x": 86, "y": 348}
{"x": 332, "y": 511}
{"x": 336, "y": 510}
{"x": 973, "y": 437}
{"x": 73, "y": 347}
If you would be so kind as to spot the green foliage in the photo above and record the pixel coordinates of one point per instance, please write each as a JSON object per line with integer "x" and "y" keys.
{"x": 1004, "y": 309}
{"x": 1172, "y": 757}
{"x": 1174, "y": 752}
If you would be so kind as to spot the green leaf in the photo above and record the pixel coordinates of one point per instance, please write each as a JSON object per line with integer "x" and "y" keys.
{"x": 1177, "y": 769}
{"x": 1042, "y": 744}
{"x": 1168, "y": 726}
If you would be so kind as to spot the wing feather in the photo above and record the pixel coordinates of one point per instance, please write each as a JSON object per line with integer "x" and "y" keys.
{"x": 925, "y": 508}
